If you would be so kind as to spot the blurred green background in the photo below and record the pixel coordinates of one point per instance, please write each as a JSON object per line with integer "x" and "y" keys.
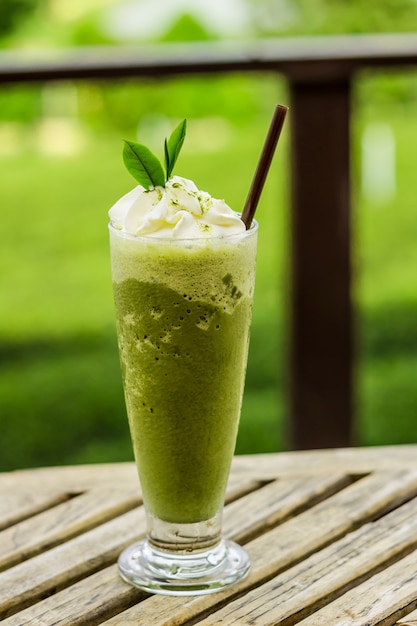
{"x": 61, "y": 399}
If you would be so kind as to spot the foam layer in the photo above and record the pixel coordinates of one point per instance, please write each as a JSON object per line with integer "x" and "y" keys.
{"x": 209, "y": 270}
{"x": 179, "y": 211}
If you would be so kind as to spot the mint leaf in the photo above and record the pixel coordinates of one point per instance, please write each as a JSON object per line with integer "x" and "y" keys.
{"x": 143, "y": 165}
{"x": 173, "y": 147}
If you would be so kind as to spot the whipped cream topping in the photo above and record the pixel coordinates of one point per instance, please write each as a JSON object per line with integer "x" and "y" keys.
{"x": 178, "y": 210}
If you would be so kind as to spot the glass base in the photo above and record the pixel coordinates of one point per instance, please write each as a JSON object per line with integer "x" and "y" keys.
{"x": 195, "y": 573}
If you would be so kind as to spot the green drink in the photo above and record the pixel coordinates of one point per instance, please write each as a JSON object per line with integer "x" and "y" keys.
{"x": 183, "y": 268}
{"x": 183, "y": 310}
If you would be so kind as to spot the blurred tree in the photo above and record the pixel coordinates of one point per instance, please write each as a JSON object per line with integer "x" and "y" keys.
{"x": 186, "y": 28}
{"x": 86, "y": 31}
{"x": 13, "y": 11}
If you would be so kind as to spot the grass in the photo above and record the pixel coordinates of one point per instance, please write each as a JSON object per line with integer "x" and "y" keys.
{"x": 61, "y": 399}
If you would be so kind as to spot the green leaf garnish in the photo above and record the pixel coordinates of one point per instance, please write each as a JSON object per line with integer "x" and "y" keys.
{"x": 143, "y": 165}
{"x": 173, "y": 147}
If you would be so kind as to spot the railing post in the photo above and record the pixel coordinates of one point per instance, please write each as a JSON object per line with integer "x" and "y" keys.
{"x": 321, "y": 404}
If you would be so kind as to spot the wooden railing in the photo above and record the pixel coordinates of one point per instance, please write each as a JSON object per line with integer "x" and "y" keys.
{"x": 319, "y": 72}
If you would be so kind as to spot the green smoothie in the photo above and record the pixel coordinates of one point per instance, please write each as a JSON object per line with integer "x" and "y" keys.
{"x": 183, "y": 310}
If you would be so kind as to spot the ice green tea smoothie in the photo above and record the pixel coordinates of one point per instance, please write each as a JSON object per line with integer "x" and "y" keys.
{"x": 183, "y": 267}
{"x": 183, "y": 309}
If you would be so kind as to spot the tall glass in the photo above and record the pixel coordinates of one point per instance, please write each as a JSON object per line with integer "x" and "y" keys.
{"x": 183, "y": 312}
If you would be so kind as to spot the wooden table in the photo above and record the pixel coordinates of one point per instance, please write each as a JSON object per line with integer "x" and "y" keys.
{"x": 332, "y": 536}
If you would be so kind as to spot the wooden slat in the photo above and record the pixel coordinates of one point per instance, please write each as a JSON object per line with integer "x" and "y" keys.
{"x": 62, "y": 522}
{"x": 96, "y": 596}
{"x": 378, "y": 601}
{"x": 89, "y": 601}
{"x": 76, "y": 478}
{"x": 409, "y": 620}
{"x": 276, "y": 502}
{"x": 286, "y": 545}
{"x": 329, "y": 520}
{"x": 80, "y": 556}
{"x": 314, "y": 582}
{"x": 36, "y": 578}
{"x": 17, "y": 506}
{"x": 356, "y": 460}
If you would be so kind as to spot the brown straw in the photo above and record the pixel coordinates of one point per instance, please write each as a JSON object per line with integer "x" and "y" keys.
{"x": 263, "y": 165}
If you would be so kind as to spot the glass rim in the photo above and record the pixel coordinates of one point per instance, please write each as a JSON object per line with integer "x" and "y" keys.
{"x": 152, "y": 239}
